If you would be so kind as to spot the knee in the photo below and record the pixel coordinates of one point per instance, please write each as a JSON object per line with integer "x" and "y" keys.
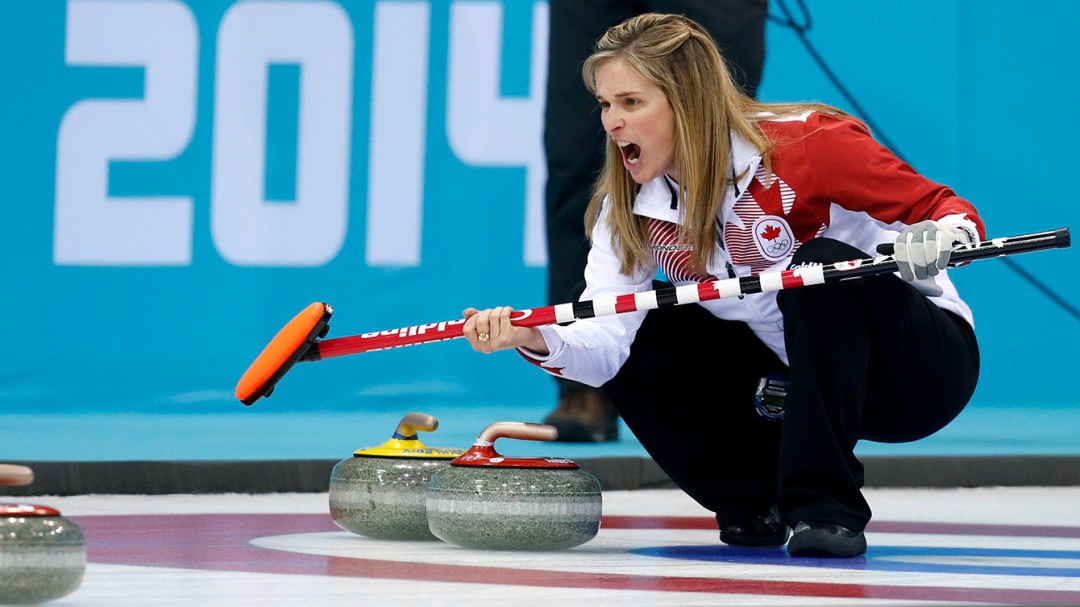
{"x": 824, "y": 250}
{"x": 822, "y": 298}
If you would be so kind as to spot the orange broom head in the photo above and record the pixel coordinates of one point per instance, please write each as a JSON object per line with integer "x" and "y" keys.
{"x": 291, "y": 343}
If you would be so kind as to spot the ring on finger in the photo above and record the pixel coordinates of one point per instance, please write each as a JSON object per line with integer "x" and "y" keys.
{"x": 483, "y": 336}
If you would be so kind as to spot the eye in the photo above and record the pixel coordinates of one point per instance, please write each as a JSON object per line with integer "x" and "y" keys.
{"x": 631, "y": 101}
{"x": 604, "y": 104}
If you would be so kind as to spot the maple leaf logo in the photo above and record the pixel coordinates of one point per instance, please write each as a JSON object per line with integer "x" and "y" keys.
{"x": 771, "y": 233}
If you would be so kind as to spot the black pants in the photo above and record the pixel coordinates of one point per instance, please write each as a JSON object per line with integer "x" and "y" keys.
{"x": 870, "y": 358}
{"x": 573, "y": 135}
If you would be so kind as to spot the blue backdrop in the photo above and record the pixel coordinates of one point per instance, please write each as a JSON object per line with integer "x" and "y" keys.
{"x": 179, "y": 178}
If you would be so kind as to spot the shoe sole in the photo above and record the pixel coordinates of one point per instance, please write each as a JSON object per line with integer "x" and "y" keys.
{"x": 760, "y": 542}
{"x": 809, "y": 543}
{"x": 576, "y": 432}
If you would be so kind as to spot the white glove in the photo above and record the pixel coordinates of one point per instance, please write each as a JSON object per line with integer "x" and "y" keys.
{"x": 923, "y": 249}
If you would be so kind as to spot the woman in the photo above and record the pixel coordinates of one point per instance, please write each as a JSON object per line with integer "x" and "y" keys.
{"x": 701, "y": 182}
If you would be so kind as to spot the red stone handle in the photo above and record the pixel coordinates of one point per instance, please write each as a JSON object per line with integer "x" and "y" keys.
{"x": 521, "y": 430}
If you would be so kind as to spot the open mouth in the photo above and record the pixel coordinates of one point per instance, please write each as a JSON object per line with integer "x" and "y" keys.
{"x": 630, "y": 151}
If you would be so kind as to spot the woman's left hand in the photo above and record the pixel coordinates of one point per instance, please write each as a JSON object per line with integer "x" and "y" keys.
{"x": 923, "y": 249}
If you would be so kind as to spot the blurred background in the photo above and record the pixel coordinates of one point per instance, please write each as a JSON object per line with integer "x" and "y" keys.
{"x": 179, "y": 178}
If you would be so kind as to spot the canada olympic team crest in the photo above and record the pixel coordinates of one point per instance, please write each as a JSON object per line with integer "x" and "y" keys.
{"x": 773, "y": 237}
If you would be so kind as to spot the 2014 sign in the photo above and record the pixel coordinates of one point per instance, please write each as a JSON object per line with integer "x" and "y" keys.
{"x": 95, "y": 228}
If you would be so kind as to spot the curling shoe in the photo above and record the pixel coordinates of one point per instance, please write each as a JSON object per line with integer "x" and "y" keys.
{"x": 814, "y": 538}
{"x": 762, "y": 530}
{"x": 584, "y": 416}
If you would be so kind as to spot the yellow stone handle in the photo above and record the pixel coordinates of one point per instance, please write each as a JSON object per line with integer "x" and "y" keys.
{"x": 417, "y": 421}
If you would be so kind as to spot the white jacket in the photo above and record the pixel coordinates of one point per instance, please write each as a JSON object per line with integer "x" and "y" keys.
{"x": 830, "y": 179}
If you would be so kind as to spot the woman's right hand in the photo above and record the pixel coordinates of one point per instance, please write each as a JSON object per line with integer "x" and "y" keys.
{"x": 491, "y": 330}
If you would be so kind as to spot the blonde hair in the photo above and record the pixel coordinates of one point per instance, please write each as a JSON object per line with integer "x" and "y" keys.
{"x": 680, "y": 57}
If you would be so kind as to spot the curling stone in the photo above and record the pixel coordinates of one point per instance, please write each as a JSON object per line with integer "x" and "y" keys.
{"x": 42, "y": 554}
{"x": 380, "y": 492}
{"x": 484, "y": 500}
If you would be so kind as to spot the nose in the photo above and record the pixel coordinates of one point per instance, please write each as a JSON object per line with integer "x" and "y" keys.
{"x": 612, "y": 119}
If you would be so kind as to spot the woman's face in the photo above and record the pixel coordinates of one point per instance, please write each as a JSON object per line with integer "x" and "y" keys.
{"x": 638, "y": 118}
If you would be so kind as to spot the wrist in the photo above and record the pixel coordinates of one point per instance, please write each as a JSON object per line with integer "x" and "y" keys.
{"x": 535, "y": 344}
{"x": 962, "y": 227}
